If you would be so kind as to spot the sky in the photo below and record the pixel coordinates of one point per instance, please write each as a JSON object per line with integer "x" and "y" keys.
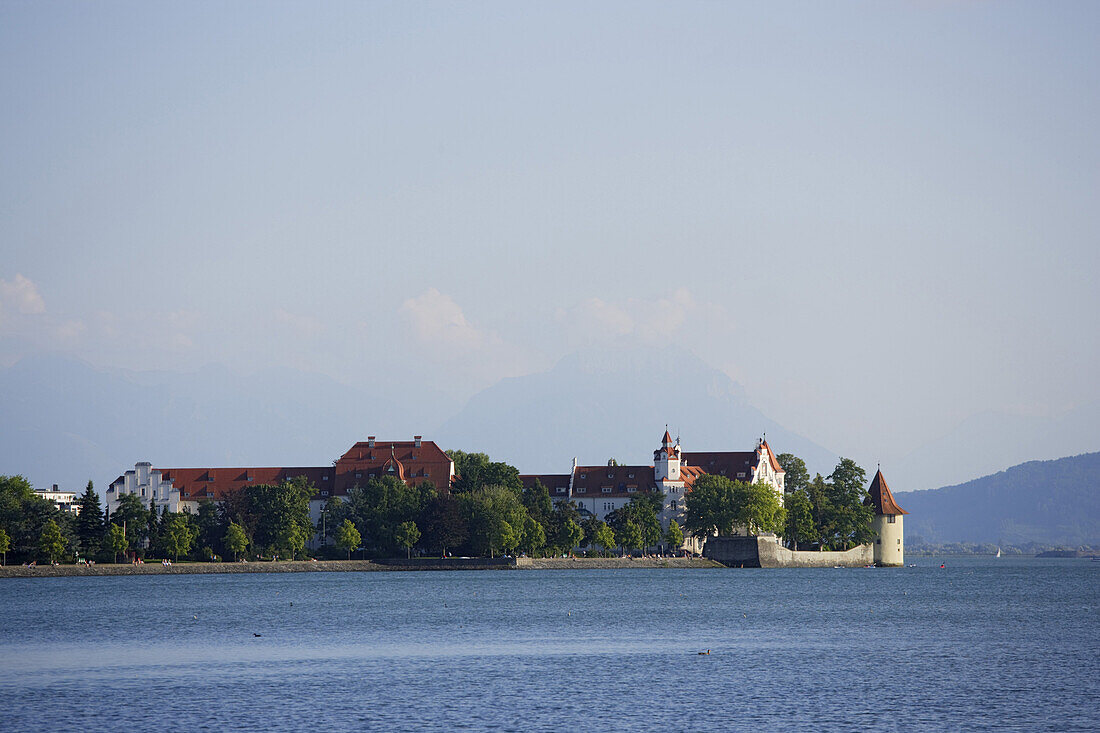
{"x": 880, "y": 218}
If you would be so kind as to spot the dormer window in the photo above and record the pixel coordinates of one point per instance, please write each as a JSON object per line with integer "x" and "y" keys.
{"x": 630, "y": 475}
{"x": 584, "y": 475}
{"x": 582, "y": 490}
{"x": 324, "y": 478}
{"x": 358, "y": 475}
{"x": 606, "y": 489}
{"x": 561, "y": 489}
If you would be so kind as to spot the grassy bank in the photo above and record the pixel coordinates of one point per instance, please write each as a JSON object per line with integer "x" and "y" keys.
{"x": 345, "y": 566}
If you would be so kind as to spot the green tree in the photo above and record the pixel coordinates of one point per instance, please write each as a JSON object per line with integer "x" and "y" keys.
{"x": 178, "y": 535}
{"x": 675, "y": 536}
{"x": 645, "y": 517}
{"x": 276, "y": 508}
{"x": 570, "y": 536}
{"x": 379, "y": 507}
{"x": 116, "y": 540}
{"x": 51, "y": 543}
{"x": 407, "y": 535}
{"x": 493, "y": 513}
{"x": 89, "y": 522}
{"x": 536, "y": 499}
{"x": 796, "y": 477}
{"x": 534, "y": 536}
{"x": 630, "y": 536}
{"x": 208, "y": 523}
{"x": 5, "y": 545}
{"x": 800, "y": 519}
{"x": 759, "y": 508}
{"x": 711, "y": 506}
{"x": 290, "y": 541}
{"x": 605, "y": 537}
{"x": 24, "y": 514}
{"x": 235, "y": 540}
{"x": 444, "y": 524}
{"x": 133, "y": 517}
{"x": 347, "y": 536}
{"x": 851, "y": 518}
{"x": 475, "y": 471}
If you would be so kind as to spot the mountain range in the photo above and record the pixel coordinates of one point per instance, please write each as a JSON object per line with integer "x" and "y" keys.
{"x": 64, "y": 421}
{"x": 1053, "y": 502}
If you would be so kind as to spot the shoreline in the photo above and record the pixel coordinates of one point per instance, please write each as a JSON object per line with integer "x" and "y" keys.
{"x": 349, "y": 566}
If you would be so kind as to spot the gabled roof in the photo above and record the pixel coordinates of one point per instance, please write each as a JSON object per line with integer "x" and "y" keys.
{"x": 725, "y": 463}
{"x": 195, "y": 484}
{"x": 881, "y": 498}
{"x": 621, "y": 480}
{"x": 771, "y": 457}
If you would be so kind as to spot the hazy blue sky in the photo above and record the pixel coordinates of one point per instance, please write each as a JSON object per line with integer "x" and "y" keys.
{"x": 881, "y": 218}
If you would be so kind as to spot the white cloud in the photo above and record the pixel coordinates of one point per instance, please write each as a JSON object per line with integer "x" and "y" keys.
{"x": 437, "y": 317}
{"x": 21, "y": 296}
{"x": 301, "y": 325}
{"x": 649, "y": 320}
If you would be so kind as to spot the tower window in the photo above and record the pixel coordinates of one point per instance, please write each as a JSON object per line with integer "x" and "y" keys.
{"x": 890, "y": 519}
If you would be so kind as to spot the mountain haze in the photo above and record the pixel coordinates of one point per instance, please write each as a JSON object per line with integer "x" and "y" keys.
{"x": 1054, "y": 502}
{"x": 615, "y": 403}
{"x": 66, "y": 422}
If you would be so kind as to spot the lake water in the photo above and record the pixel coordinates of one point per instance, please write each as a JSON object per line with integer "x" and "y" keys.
{"x": 1009, "y": 644}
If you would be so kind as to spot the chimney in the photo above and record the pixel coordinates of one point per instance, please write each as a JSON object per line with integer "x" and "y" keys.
{"x": 370, "y": 441}
{"x": 416, "y": 440}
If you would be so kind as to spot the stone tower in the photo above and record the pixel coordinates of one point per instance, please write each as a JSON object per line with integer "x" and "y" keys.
{"x": 666, "y": 460}
{"x": 888, "y": 524}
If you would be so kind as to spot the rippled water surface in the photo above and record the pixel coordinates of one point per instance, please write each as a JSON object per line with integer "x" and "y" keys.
{"x": 980, "y": 644}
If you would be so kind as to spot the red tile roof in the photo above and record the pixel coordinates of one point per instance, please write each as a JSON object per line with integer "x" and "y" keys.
{"x": 196, "y": 484}
{"x": 408, "y": 461}
{"x": 411, "y": 461}
{"x": 881, "y": 498}
{"x": 552, "y": 481}
{"x": 621, "y": 480}
{"x": 771, "y": 457}
{"x": 725, "y": 463}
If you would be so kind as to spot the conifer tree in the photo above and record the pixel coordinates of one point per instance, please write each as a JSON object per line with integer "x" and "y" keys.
{"x": 89, "y": 522}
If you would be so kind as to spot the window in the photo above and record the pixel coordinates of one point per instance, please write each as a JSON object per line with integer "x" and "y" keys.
{"x": 631, "y": 489}
{"x": 673, "y": 505}
{"x": 878, "y": 542}
{"x": 561, "y": 489}
{"x": 324, "y": 493}
{"x": 581, "y": 490}
{"x": 630, "y": 475}
{"x": 584, "y": 475}
{"x": 324, "y": 478}
{"x": 611, "y": 474}
{"x": 740, "y": 474}
{"x": 606, "y": 489}
{"x": 890, "y": 519}
{"x": 143, "y": 492}
{"x": 899, "y": 540}
{"x": 358, "y": 475}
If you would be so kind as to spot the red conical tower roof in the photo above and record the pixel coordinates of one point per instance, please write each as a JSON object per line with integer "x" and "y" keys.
{"x": 881, "y": 498}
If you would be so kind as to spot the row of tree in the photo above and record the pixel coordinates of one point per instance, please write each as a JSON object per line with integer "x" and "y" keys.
{"x": 822, "y": 513}
{"x": 488, "y": 512}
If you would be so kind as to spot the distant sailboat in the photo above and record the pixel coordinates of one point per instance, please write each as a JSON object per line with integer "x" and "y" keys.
{"x": 998, "y": 552}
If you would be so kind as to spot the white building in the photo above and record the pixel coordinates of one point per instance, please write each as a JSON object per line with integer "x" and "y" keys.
{"x": 600, "y": 490}
{"x": 66, "y": 500}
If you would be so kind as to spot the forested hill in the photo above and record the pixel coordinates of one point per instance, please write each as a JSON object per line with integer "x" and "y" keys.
{"x": 1054, "y": 502}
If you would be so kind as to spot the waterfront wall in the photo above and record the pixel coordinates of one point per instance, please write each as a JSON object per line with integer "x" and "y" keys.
{"x": 766, "y": 552}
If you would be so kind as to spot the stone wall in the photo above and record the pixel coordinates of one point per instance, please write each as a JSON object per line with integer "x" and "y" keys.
{"x": 766, "y": 552}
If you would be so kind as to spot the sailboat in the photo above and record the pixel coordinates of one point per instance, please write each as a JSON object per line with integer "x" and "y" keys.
{"x": 998, "y": 552}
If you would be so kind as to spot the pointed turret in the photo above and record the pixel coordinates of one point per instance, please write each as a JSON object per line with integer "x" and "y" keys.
{"x": 881, "y": 498}
{"x": 890, "y": 545}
